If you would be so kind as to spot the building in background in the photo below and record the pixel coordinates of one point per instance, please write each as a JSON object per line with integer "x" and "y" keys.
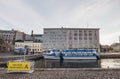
{"x": 3, "y": 44}
{"x": 11, "y": 39}
{"x": 33, "y": 41}
{"x": 19, "y": 35}
{"x": 8, "y": 39}
{"x": 106, "y": 49}
{"x": 38, "y": 37}
{"x": 35, "y": 47}
{"x": 116, "y": 47}
{"x": 71, "y": 38}
{"x": 28, "y": 37}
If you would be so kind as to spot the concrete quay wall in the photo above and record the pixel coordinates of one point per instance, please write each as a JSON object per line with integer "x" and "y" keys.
{"x": 64, "y": 73}
{"x": 109, "y": 55}
{"x": 4, "y": 59}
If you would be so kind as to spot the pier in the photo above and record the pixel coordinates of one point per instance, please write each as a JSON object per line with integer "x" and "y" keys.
{"x": 109, "y": 55}
{"x": 20, "y": 57}
{"x": 5, "y": 59}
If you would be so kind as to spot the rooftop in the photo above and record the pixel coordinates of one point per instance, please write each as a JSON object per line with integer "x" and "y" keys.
{"x": 7, "y": 31}
{"x": 71, "y": 28}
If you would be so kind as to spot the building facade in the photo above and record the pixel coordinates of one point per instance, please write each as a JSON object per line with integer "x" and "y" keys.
{"x": 38, "y": 37}
{"x": 116, "y": 47}
{"x": 71, "y": 38}
{"x": 7, "y": 37}
{"x": 33, "y": 46}
{"x": 28, "y": 37}
{"x": 19, "y": 35}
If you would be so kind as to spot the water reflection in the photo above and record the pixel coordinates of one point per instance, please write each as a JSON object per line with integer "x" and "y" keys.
{"x": 67, "y": 64}
{"x": 110, "y": 63}
{"x": 103, "y": 63}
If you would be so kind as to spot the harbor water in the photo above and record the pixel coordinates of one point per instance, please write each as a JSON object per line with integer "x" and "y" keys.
{"x": 110, "y": 63}
{"x": 102, "y": 63}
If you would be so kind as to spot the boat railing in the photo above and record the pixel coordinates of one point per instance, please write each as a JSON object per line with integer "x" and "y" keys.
{"x": 72, "y": 52}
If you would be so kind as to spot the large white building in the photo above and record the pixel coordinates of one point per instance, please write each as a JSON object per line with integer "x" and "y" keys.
{"x": 71, "y": 38}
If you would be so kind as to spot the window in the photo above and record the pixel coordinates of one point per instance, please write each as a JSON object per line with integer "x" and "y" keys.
{"x": 95, "y": 36}
{"x": 20, "y": 44}
{"x": 75, "y": 38}
{"x": 85, "y": 34}
{"x": 90, "y": 38}
{"x": 80, "y": 38}
{"x": 75, "y": 34}
{"x": 70, "y": 37}
{"x": 90, "y": 33}
{"x": 45, "y": 32}
{"x": 85, "y": 38}
{"x": 80, "y": 34}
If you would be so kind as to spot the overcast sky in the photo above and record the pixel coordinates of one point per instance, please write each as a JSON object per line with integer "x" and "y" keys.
{"x": 27, "y": 15}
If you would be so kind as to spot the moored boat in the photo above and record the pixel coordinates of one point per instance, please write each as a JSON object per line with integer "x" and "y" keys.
{"x": 72, "y": 54}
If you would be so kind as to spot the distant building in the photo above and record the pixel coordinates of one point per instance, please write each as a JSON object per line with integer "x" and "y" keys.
{"x": 8, "y": 38}
{"x": 28, "y": 37}
{"x": 105, "y": 49}
{"x": 3, "y": 45}
{"x": 34, "y": 46}
{"x": 116, "y": 47}
{"x": 71, "y": 38}
{"x": 19, "y": 35}
{"x": 38, "y": 37}
{"x": 33, "y": 41}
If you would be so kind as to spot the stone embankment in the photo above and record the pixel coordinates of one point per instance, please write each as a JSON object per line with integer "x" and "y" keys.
{"x": 109, "y": 55}
{"x": 5, "y": 58}
{"x": 63, "y": 73}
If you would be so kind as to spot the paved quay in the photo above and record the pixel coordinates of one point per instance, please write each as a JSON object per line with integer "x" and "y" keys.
{"x": 64, "y": 73}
